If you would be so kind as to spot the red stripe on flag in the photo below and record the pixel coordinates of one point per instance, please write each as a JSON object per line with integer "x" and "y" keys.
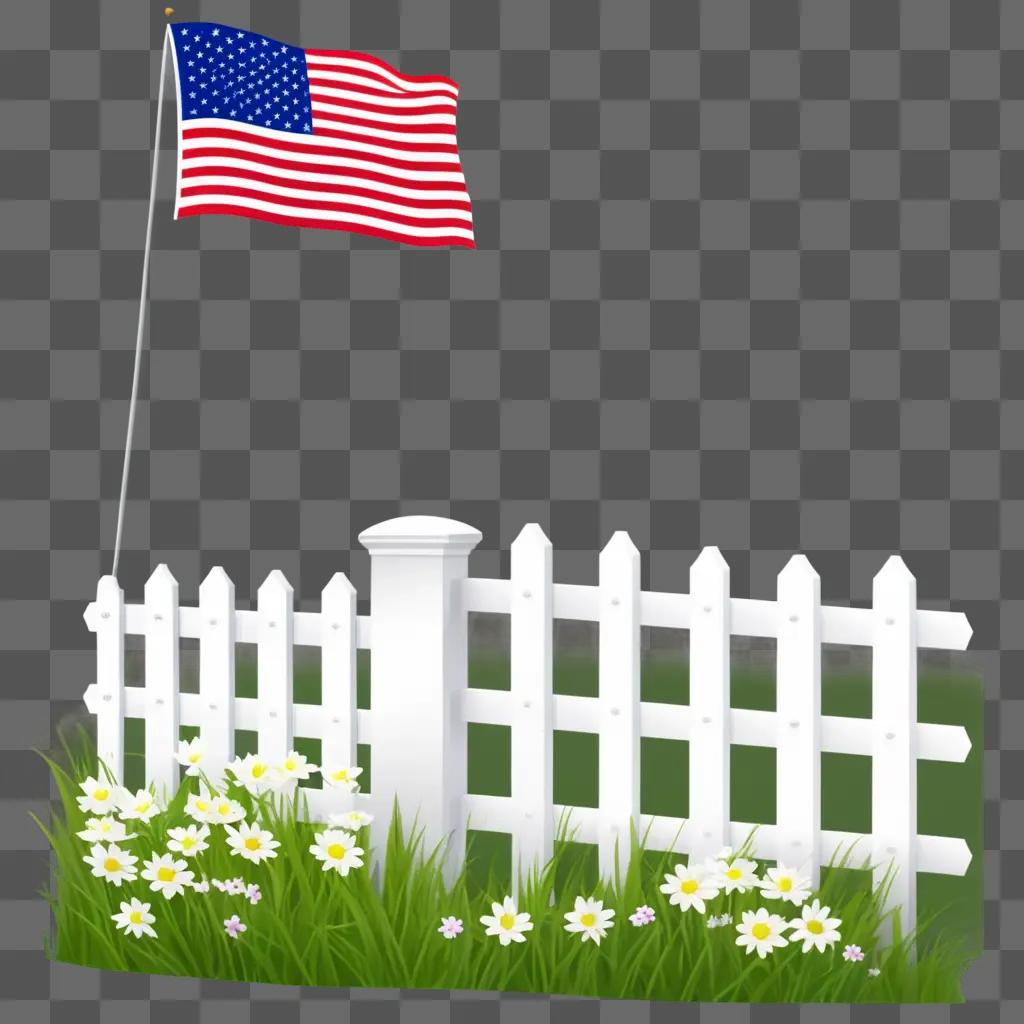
{"x": 339, "y": 153}
{"x": 383, "y": 65}
{"x": 383, "y": 193}
{"x": 328, "y": 206}
{"x": 338, "y": 225}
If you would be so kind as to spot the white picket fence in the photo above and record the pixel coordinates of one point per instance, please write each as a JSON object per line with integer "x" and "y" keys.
{"x": 420, "y": 598}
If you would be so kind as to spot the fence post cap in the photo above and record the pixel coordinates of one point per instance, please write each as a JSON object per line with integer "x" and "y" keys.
{"x": 420, "y": 535}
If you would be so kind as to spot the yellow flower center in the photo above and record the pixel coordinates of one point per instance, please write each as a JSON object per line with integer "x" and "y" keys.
{"x": 112, "y": 864}
{"x": 143, "y": 807}
{"x": 105, "y": 826}
{"x": 258, "y": 770}
{"x": 135, "y": 917}
{"x": 101, "y": 794}
{"x": 188, "y": 842}
{"x": 815, "y": 927}
{"x": 689, "y": 886}
{"x": 224, "y": 809}
{"x": 335, "y": 851}
{"x": 507, "y": 921}
{"x": 252, "y": 843}
{"x": 165, "y": 874}
{"x": 588, "y": 920}
{"x": 734, "y": 873}
{"x": 341, "y": 776}
{"x": 289, "y": 765}
{"x": 785, "y": 884}
{"x": 202, "y": 806}
{"x": 760, "y": 931}
{"x": 193, "y": 758}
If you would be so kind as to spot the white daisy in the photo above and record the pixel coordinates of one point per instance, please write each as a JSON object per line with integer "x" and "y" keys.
{"x": 351, "y": 820}
{"x": 251, "y": 842}
{"x": 141, "y": 805}
{"x": 814, "y": 927}
{"x": 874, "y": 972}
{"x": 100, "y": 797}
{"x": 189, "y": 841}
{"x": 112, "y": 863}
{"x": 135, "y": 919}
{"x": 344, "y": 778}
{"x": 739, "y": 876}
{"x": 253, "y": 772}
{"x": 783, "y": 883}
{"x": 224, "y": 811}
{"x": 105, "y": 830}
{"x": 294, "y": 768}
{"x": 337, "y": 849}
{"x": 167, "y": 876}
{"x": 198, "y": 805}
{"x": 590, "y": 919}
{"x": 690, "y": 887}
{"x": 507, "y": 923}
{"x": 761, "y": 931}
{"x": 190, "y": 755}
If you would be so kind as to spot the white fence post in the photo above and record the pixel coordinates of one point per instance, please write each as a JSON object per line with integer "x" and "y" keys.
{"x": 274, "y": 664}
{"x": 894, "y": 764}
{"x": 162, "y": 647}
{"x": 338, "y": 679}
{"x": 531, "y": 652}
{"x": 418, "y": 655}
{"x": 105, "y": 697}
{"x": 798, "y": 716}
{"x": 710, "y": 624}
{"x": 217, "y": 670}
{"x": 619, "y": 679}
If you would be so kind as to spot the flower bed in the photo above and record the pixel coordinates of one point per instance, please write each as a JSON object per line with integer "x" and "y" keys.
{"x": 227, "y": 882}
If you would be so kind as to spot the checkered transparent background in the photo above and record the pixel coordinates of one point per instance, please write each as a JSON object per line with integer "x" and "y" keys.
{"x": 749, "y": 274}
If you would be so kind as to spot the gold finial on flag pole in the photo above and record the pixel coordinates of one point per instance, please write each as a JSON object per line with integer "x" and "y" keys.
{"x": 168, "y": 11}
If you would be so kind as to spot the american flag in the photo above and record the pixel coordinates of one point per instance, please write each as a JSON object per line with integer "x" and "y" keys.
{"x": 315, "y": 138}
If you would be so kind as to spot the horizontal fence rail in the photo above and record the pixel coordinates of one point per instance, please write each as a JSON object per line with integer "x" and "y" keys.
{"x": 421, "y": 597}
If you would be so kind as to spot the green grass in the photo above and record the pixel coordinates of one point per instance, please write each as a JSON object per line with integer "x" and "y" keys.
{"x": 316, "y": 928}
{"x": 950, "y": 908}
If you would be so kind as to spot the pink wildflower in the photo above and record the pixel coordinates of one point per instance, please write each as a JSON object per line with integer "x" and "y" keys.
{"x": 450, "y": 927}
{"x": 641, "y": 916}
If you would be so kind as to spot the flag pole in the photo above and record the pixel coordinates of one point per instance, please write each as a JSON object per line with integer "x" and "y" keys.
{"x": 143, "y": 304}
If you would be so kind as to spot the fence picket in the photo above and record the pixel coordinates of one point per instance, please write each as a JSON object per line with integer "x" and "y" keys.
{"x": 708, "y": 823}
{"x": 619, "y": 679}
{"x": 338, "y": 679}
{"x": 798, "y": 716}
{"x": 162, "y": 646}
{"x": 217, "y": 670}
{"x": 274, "y": 666}
{"x": 894, "y": 710}
{"x": 105, "y": 698}
{"x": 531, "y": 652}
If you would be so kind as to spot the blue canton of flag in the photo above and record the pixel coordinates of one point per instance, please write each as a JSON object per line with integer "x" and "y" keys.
{"x": 241, "y": 76}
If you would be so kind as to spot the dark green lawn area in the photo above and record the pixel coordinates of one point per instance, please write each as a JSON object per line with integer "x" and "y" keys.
{"x": 949, "y": 799}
